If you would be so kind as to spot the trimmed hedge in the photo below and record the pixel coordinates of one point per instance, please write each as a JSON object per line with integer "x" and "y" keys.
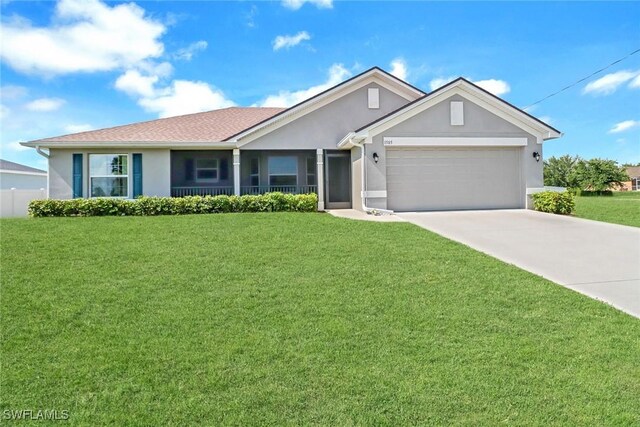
{"x": 148, "y": 206}
{"x": 554, "y": 202}
{"x": 590, "y": 193}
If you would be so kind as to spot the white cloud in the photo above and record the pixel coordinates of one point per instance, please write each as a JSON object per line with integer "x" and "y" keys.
{"x": 11, "y": 92}
{"x": 15, "y": 146}
{"x": 75, "y": 128}
{"x": 4, "y": 112}
{"x": 609, "y": 83}
{"x": 546, "y": 119}
{"x": 45, "y": 104}
{"x": 337, "y": 73}
{"x": 187, "y": 53}
{"x": 178, "y": 97}
{"x": 297, "y": 4}
{"x": 87, "y": 36}
{"x": 251, "y": 16}
{"x": 287, "y": 42}
{"x": 184, "y": 97}
{"x": 399, "y": 68}
{"x": 494, "y": 86}
{"x": 439, "y": 82}
{"x": 623, "y": 126}
{"x": 134, "y": 83}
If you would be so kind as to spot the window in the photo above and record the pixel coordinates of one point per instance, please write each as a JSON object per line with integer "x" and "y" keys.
{"x": 109, "y": 175}
{"x": 283, "y": 170}
{"x": 635, "y": 184}
{"x": 207, "y": 170}
{"x": 311, "y": 171}
{"x": 254, "y": 172}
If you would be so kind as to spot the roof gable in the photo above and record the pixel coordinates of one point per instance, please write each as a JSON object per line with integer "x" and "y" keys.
{"x": 375, "y": 74}
{"x": 468, "y": 90}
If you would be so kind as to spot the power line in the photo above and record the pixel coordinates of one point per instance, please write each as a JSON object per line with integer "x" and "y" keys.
{"x": 582, "y": 79}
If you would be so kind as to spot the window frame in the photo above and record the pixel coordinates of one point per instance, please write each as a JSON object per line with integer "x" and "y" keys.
{"x": 283, "y": 174}
{"x": 196, "y": 169}
{"x": 127, "y": 176}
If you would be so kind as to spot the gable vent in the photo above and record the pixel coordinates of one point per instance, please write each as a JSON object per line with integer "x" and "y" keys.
{"x": 457, "y": 113}
{"x": 374, "y": 98}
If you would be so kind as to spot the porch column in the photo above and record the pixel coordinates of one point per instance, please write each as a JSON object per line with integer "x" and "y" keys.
{"x": 236, "y": 171}
{"x": 320, "y": 180}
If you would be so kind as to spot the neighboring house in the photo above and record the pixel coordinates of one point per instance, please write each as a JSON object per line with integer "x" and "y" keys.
{"x": 21, "y": 177}
{"x": 634, "y": 179}
{"x": 373, "y": 141}
{"x": 19, "y": 184}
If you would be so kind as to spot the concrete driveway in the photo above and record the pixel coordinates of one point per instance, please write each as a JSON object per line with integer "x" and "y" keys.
{"x": 594, "y": 258}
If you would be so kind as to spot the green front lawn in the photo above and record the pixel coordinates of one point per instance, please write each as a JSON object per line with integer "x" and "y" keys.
{"x": 621, "y": 208}
{"x": 295, "y": 319}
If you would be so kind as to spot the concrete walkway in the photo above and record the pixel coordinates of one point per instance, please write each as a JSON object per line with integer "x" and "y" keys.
{"x": 363, "y": 216}
{"x": 597, "y": 259}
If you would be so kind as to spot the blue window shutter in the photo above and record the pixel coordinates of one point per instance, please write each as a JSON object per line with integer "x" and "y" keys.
{"x": 137, "y": 175}
{"x": 77, "y": 175}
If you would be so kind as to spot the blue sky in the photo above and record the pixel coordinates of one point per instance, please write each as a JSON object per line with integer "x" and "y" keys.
{"x": 74, "y": 65}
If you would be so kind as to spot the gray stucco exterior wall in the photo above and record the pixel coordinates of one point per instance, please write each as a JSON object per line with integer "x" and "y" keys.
{"x": 326, "y": 126}
{"x": 435, "y": 122}
{"x": 156, "y": 166}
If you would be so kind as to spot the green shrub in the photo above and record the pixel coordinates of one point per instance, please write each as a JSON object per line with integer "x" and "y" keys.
{"x": 589, "y": 193}
{"x": 150, "y": 206}
{"x": 554, "y": 202}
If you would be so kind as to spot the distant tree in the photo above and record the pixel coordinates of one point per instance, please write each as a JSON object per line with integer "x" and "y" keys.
{"x": 560, "y": 171}
{"x": 630, "y": 165}
{"x": 599, "y": 174}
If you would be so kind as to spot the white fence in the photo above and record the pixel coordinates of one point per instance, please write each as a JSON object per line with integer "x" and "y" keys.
{"x": 15, "y": 202}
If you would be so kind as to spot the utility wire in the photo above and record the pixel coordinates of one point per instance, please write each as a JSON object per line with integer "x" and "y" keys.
{"x": 583, "y": 79}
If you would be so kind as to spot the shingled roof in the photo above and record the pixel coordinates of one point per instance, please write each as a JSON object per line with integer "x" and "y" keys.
{"x": 7, "y": 166}
{"x": 210, "y": 126}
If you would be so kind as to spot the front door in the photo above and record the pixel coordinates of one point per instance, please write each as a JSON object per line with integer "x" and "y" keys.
{"x": 338, "y": 180}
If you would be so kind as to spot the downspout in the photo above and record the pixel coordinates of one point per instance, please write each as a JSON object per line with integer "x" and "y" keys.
{"x": 42, "y": 153}
{"x": 363, "y": 182}
{"x": 46, "y": 156}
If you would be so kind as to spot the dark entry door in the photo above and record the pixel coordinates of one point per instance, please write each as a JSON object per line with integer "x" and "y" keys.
{"x": 338, "y": 180}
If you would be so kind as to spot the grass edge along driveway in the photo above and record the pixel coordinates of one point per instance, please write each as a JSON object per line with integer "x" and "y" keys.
{"x": 272, "y": 319}
{"x": 621, "y": 208}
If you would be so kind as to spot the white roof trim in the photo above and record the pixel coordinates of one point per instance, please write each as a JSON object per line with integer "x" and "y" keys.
{"x": 372, "y": 76}
{"x": 132, "y": 144}
{"x": 23, "y": 172}
{"x": 473, "y": 94}
{"x": 452, "y": 141}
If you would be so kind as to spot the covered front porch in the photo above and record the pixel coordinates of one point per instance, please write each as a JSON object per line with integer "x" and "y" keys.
{"x": 229, "y": 172}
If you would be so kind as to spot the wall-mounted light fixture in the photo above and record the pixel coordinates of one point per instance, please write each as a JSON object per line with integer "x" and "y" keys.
{"x": 536, "y": 156}
{"x": 376, "y": 157}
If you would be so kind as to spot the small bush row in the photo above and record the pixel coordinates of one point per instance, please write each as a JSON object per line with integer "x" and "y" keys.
{"x": 554, "y": 202}
{"x": 589, "y": 193}
{"x": 150, "y": 206}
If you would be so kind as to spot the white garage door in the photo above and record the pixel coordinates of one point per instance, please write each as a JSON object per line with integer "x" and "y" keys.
{"x": 444, "y": 179}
